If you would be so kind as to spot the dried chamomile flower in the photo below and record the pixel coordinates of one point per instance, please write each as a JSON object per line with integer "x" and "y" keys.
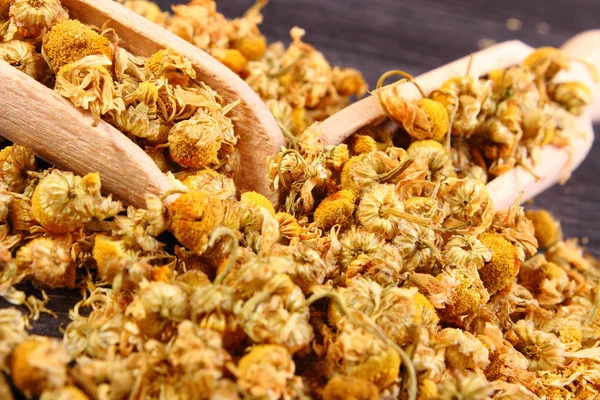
{"x": 267, "y": 371}
{"x": 362, "y": 144}
{"x": 278, "y": 314}
{"x": 200, "y": 23}
{"x": 17, "y": 163}
{"x": 380, "y": 211}
{"x": 31, "y": 19}
{"x": 504, "y": 265}
{"x": 361, "y": 294}
{"x": 399, "y": 314}
{"x": 466, "y": 252}
{"x": 547, "y": 228}
{"x": 111, "y": 256}
{"x": 12, "y": 332}
{"x": 466, "y": 386}
{"x": 421, "y": 119}
{"x": 148, "y": 10}
{"x": 141, "y": 117}
{"x": 139, "y": 228}
{"x": 435, "y": 155}
{"x": 335, "y": 210}
{"x": 210, "y": 181}
{"x": 337, "y": 157}
{"x": 63, "y": 202}
{"x": 172, "y": 66}
{"x": 349, "y": 82}
{"x": 466, "y": 293}
{"x": 425, "y": 207}
{"x": 549, "y": 283}
{"x": 196, "y": 142}
{"x": 546, "y": 62}
{"x": 194, "y": 215}
{"x": 467, "y": 99}
{"x": 308, "y": 268}
{"x": 417, "y": 245}
{"x": 37, "y": 364}
{"x": 573, "y": 96}
{"x": 463, "y": 351}
{"x": 255, "y": 199}
{"x": 357, "y": 242}
{"x": 362, "y": 172}
{"x": 384, "y": 266}
{"x": 469, "y": 203}
{"x": 48, "y": 262}
{"x": 544, "y": 350}
{"x": 212, "y": 307}
{"x": 251, "y": 47}
{"x": 342, "y": 387}
{"x": 157, "y": 305}
{"x": 64, "y": 393}
{"x": 96, "y": 334}
{"x": 70, "y": 41}
{"x": 197, "y": 349}
{"x": 357, "y": 353}
{"x": 288, "y": 225}
{"x": 89, "y": 85}
{"x": 22, "y": 55}
{"x": 231, "y": 58}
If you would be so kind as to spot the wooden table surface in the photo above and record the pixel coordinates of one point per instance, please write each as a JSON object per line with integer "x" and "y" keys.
{"x": 417, "y": 35}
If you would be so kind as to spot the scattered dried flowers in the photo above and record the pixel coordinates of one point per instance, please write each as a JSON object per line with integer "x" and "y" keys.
{"x": 385, "y": 272}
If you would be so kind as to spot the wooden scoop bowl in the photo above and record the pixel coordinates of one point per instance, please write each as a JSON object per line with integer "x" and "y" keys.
{"x": 506, "y": 188}
{"x": 35, "y": 116}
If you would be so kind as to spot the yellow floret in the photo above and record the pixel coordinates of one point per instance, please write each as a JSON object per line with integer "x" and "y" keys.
{"x": 232, "y": 59}
{"x": 502, "y": 269}
{"x": 335, "y": 210}
{"x": 436, "y": 115}
{"x": 547, "y": 229}
{"x": 550, "y": 59}
{"x": 552, "y": 271}
{"x": 362, "y": 144}
{"x": 382, "y": 369}
{"x": 569, "y": 334}
{"x": 433, "y": 144}
{"x": 194, "y": 216}
{"x": 252, "y": 47}
{"x": 186, "y": 148}
{"x": 261, "y": 354}
{"x": 298, "y": 119}
{"x": 425, "y": 310}
{"x": 70, "y": 41}
{"x": 467, "y": 297}
{"x": 349, "y": 388}
{"x": 428, "y": 390}
{"x": 255, "y": 199}
{"x": 106, "y": 249}
{"x": 346, "y": 175}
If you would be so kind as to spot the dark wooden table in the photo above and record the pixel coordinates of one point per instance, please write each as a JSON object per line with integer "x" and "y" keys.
{"x": 417, "y": 35}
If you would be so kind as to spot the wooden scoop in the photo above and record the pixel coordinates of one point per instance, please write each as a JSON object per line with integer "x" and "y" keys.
{"x": 35, "y": 116}
{"x": 506, "y": 188}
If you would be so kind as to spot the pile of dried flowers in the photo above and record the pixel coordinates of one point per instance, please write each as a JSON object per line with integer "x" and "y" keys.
{"x": 384, "y": 273}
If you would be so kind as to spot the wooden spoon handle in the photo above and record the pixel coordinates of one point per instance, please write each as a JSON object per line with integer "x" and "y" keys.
{"x": 586, "y": 46}
{"x": 260, "y": 136}
{"x": 35, "y": 116}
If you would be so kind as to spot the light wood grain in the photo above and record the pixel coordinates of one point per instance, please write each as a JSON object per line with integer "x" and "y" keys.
{"x": 260, "y": 136}
{"x": 36, "y": 116}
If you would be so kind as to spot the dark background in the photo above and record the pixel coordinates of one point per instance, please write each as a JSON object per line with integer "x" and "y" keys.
{"x": 418, "y": 35}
